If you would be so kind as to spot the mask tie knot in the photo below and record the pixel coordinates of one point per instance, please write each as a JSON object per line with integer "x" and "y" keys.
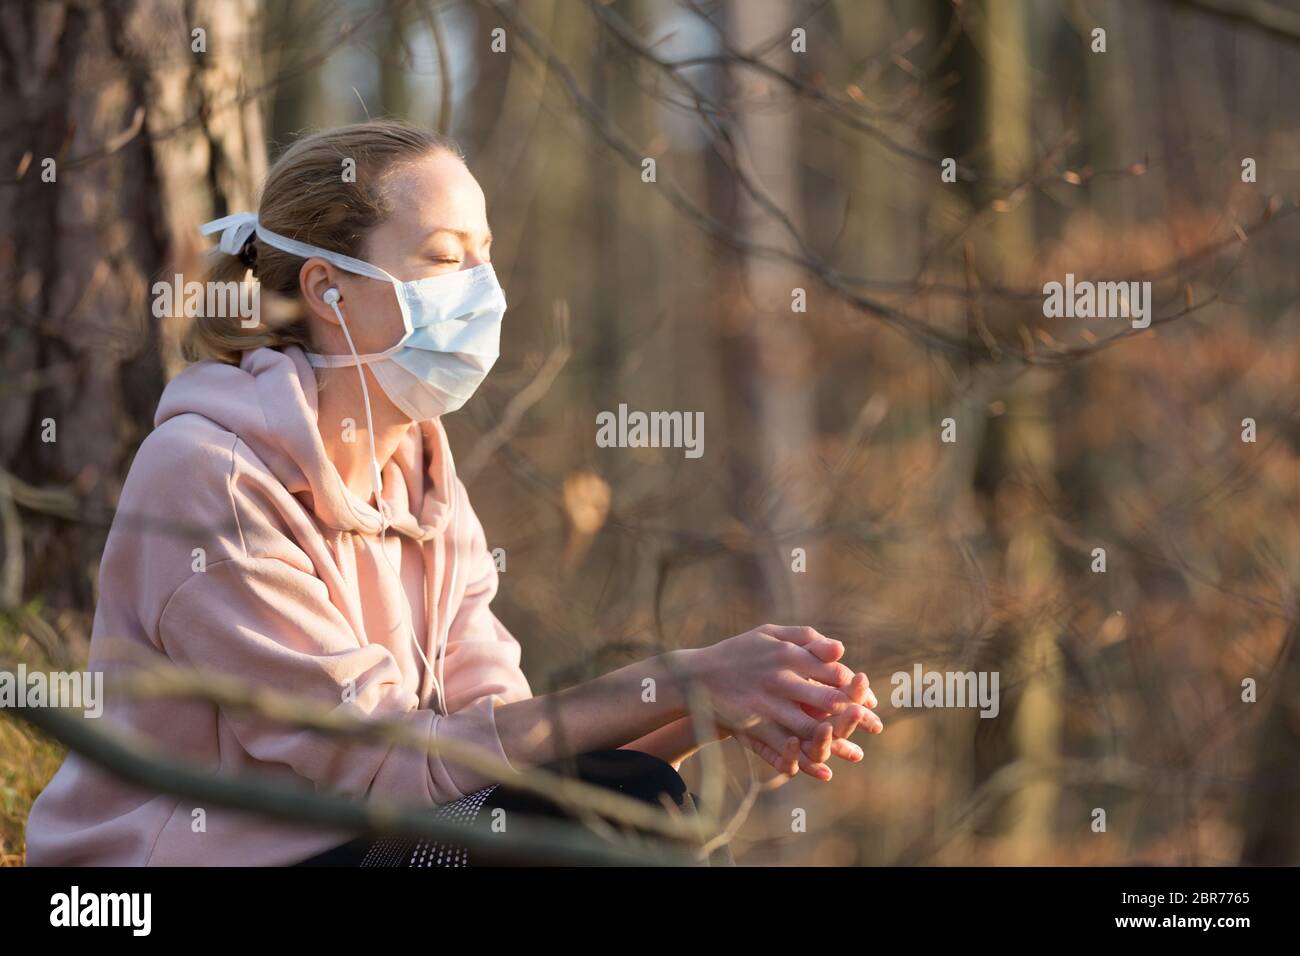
{"x": 235, "y": 231}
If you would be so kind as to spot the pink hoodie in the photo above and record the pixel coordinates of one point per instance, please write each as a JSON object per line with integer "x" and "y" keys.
{"x": 296, "y": 595}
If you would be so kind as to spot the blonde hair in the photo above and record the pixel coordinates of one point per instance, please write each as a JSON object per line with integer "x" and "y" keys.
{"x": 308, "y": 198}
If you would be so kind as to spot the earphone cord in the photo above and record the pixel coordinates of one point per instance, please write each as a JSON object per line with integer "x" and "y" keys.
{"x": 377, "y": 485}
{"x": 440, "y": 653}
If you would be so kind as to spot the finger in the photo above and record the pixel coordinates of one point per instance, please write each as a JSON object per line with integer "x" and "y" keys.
{"x": 800, "y": 752}
{"x": 832, "y": 674}
{"x": 809, "y": 764}
{"x": 840, "y": 746}
{"x": 816, "y": 696}
{"x": 846, "y": 750}
{"x": 788, "y": 715}
{"x": 847, "y": 720}
{"x": 836, "y": 710}
{"x": 818, "y": 771}
{"x": 859, "y": 690}
{"x": 791, "y": 755}
{"x": 846, "y": 717}
{"x": 826, "y": 648}
{"x": 760, "y": 749}
{"x": 871, "y": 700}
{"x": 868, "y": 720}
{"x": 821, "y": 646}
{"x": 785, "y": 745}
{"x": 769, "y": 754}
{"x": 818, "y": 750}
{"x": 873, "y": 723}
{"x": 775, "y": 741}
{"x": 795, "y": 634}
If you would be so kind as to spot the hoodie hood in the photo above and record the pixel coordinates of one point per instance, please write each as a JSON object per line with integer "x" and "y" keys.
{"x": 269, "y": 402}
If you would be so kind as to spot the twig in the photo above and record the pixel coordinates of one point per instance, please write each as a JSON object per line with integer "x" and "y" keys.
{"x": 230, "y": 692}
{"x": 537, "y": 840}
{"x": 525, "y": 398}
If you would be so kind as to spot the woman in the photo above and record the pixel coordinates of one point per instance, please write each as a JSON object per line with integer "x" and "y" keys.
{"x": 295, "y": 519}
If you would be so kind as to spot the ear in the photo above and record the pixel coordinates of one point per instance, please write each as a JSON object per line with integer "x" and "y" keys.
{"x": 315, "y": 276}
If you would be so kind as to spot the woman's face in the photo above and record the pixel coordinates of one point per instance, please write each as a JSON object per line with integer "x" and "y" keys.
{"x": 438, "y": 225}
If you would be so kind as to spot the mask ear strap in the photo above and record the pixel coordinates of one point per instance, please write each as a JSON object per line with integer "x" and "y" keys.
{"x": 235, "y": 230}
{"x": 347, "y": 263}
{"x": 306, "y": 251}
{"x": 345, "y": 361}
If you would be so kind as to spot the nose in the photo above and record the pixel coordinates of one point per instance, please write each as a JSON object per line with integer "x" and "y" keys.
{"x": 477, "y": 252}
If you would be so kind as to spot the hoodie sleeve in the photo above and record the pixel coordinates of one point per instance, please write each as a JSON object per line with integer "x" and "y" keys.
{"x": 263, "y": 617}
{"x": 482, "y": 657}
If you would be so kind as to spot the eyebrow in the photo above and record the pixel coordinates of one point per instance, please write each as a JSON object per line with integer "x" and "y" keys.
{"x": 461, "y": 234}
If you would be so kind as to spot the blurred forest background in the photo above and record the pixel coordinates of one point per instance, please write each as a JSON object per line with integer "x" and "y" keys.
{"x": 784, "y": 160}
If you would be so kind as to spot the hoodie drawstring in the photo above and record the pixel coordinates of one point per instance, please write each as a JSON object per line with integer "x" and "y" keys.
{"x": 433, "y": 618}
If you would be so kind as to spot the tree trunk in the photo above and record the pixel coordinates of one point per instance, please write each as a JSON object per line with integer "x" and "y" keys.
{"x": 1029, "y": 456}
{"x": 119, "y": 140}
{"x": 767, "y": 360}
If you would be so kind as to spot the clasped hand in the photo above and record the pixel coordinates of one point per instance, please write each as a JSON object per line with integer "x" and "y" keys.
{"x": 783, "y": 692}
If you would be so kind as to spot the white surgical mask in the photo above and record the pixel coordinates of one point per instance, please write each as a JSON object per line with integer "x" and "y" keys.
{"x": 452, "y": 325}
